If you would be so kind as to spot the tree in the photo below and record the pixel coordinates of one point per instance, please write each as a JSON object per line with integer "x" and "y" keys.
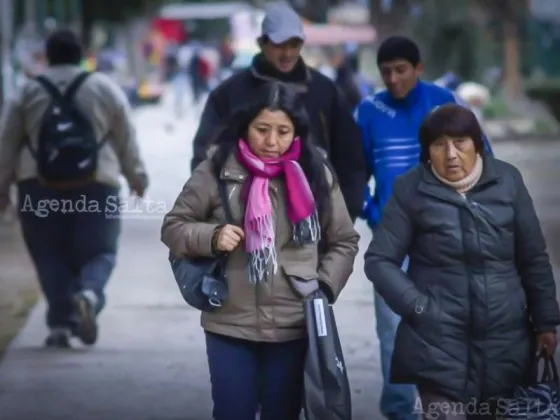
{"x": 508, "y": 16}
{"x": 113, "y": 11}
{"x": 390, "y": 20}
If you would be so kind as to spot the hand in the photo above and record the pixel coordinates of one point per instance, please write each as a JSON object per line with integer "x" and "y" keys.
{"x": 229, "y": 238}
{"x": 4, "y": 202}
{"x": 546, "y": 344}
{"x": 137, "y": 189}
{"x": 138, "y": 184}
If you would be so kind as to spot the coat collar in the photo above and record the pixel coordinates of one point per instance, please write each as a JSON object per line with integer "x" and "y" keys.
{"x": 233, "y": 170}
{"x": 430, "y": 185}
{"x": 297, "y": 78}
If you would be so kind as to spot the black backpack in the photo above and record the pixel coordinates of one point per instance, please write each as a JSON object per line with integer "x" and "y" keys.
{"x": 67, "y": 146}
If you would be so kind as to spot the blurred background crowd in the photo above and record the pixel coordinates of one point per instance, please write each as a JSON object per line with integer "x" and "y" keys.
{"x": 499, "y": 55}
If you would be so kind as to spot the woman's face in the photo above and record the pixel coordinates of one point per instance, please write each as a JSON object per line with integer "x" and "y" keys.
{"x": 270, "y": 134}
{"x": 453, "y": 158}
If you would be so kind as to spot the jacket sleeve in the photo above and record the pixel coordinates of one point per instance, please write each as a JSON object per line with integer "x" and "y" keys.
{"x": 347, "y": 155}
{"x": 363, "y": 120}
{"x": 12, "y": 138}
{"x": 185, "y": 230}
{"x": 388, "y": 248}
{"x": 362, "y": 117}
{"x": 340, "y": 242}
{"x": 533, "y": 262}
{"x": 210, "y": 122}
{"x": 123, "y": 136}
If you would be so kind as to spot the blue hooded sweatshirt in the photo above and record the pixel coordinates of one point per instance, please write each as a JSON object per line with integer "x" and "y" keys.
{"x": 390, "y": 130}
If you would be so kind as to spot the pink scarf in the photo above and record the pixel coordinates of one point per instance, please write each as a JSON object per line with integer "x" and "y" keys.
{"x": 258, "y": 226}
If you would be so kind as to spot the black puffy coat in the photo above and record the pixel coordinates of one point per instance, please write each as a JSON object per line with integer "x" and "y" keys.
{"x": 479, "y": 284}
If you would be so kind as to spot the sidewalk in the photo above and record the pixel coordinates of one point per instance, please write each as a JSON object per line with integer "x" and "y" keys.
{"x": 18, "y": 284}
{"x": 150, "y": 361}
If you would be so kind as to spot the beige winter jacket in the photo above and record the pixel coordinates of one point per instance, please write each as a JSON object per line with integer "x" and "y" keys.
{"x": 100, "y": 99}
{"x": 270, "y": 311}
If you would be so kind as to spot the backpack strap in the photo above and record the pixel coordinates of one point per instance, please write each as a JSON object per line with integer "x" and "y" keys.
{"x": 75, "y": 85}
{"x": 50, "y": 87}
{"x": 55, "y": 93}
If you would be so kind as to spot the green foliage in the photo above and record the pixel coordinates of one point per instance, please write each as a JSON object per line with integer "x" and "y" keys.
{"x": 549, "y": 93}
{"x": 116, "y": 10}
{"x": 498, "y": 108}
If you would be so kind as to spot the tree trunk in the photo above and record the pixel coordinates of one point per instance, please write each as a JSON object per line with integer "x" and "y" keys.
{"x": 1, "y": 79}
{"x": 6, "y": 34}
{"x": 511, "y": 65}
{"x": 314, "y": 10}
{"x": 87, "y": 22}
{"x": 388, "y": 22}
{"x": 508, "y": 13}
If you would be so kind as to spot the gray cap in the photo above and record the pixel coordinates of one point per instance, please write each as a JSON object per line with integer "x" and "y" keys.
{"x": 282, "y": 23}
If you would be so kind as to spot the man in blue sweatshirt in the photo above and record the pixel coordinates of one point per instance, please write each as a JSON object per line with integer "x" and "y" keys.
{"x": 390, "y": 121}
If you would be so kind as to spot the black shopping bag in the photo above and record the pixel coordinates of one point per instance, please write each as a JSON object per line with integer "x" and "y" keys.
{"x": 539, "y": 401}
{"x": 326, "y": 387}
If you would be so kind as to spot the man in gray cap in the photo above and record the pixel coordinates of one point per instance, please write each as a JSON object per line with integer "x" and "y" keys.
{"x": 335, "y": 130}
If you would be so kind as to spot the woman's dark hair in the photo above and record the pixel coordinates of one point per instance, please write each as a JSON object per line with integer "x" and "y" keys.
{"x": 449, "y": 120}
{"x": 278, "y": 96}
{"x": 63, "y": 48}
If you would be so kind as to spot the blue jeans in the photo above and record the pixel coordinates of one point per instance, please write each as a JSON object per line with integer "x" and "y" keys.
{"x": 180, "y": 85}
{"x": 246, "y": 374}
{"x": 397, "y": 400}
{"x": 71, "y": 236}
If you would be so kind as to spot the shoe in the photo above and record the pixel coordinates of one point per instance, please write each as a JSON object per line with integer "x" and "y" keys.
{"x": 87, "y": 322}
{"x": 58, "y": 338}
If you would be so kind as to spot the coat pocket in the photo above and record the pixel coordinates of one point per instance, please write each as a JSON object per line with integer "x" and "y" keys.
{"x": 425, "y": 321}
{"x": 300, "y": 261}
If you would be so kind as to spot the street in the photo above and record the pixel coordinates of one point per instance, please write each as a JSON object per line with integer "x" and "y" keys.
{"x": 150, "y": 362}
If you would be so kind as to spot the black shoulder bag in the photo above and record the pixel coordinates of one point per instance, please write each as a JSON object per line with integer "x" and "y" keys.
{"x": 202, "y": 281}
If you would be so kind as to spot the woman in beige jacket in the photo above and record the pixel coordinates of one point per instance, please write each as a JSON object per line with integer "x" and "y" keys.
{"x": 285, "y": 201}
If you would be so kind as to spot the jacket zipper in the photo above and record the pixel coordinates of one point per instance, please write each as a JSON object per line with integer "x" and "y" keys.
{"x": 473, "y": 206}
{"x": 470, "y": 329}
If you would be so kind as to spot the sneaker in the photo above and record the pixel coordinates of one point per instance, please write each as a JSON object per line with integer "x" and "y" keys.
{"x": 87, "y": 322}
{"x": 58, "y": 338}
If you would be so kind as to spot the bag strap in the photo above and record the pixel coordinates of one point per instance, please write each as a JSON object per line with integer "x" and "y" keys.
{"x": 55, "y": 93}
{"x": 224, "y": 199}
{"x": 223, "y": 194}
{"x": 550, "y": 371}
{"x": 75, "y": 85}
{"x": 50, "y": 87}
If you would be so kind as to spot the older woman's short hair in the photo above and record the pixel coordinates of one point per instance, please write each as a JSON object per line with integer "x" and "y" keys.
{"x": 449, "y": 120}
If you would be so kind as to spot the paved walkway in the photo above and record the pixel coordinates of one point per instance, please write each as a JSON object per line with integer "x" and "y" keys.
{"x": 150, "y": 361}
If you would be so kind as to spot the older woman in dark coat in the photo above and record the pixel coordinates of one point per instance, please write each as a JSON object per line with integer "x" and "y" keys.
{"x": 479, "y": 297}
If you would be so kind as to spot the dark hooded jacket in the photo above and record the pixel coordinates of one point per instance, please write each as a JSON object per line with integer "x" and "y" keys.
{"x": 479, "y": 286}
{"x": 331, "y": 118}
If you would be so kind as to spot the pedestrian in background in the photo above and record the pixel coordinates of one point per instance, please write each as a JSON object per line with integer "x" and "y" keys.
{"x": 390, "y": 121}
{"x": 71, "y": 231}
{"x": 478, "y": 300}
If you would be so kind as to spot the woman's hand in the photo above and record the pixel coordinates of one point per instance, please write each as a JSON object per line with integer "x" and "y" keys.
{"x": 229, "y": 238}
{"x": 546, "y": 344}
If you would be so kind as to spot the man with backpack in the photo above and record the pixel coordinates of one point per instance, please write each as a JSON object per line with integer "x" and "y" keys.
{"x": 65, "y": 138}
